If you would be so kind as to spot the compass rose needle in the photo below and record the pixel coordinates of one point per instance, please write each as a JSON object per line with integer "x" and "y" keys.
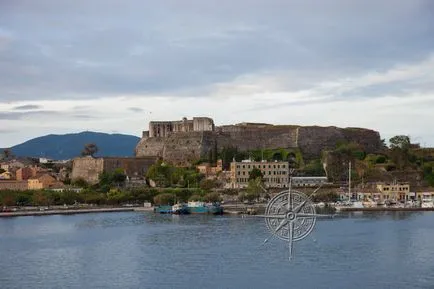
{"x": 307, "y": 215}
{"x": 289, "y": 204}
{"x": 290, "y": 238}
{"x": 283, "y": 223}
{"x": 299, "y": 207}
{"x": 271, "y": 216}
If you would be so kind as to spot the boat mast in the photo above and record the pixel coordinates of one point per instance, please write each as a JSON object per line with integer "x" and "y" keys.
{"x": 349, "y": 182}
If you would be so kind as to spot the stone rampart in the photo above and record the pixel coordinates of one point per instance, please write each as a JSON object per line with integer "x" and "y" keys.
{"x": 89, "y": 168}
{"x": 184, "y": 148}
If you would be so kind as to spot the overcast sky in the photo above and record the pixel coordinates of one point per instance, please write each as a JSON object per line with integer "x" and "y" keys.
{"x": 112, "y": 66}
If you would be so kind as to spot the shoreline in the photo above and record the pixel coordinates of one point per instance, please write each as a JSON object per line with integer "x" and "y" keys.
{"x": 384, "y": 209}
{"x": 63, "y": 212}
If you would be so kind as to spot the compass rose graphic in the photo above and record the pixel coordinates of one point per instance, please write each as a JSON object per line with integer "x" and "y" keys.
{"x": 290, "y": 216}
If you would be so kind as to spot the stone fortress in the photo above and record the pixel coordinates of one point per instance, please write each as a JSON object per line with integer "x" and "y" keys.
{"x": 165, "y": 128}
{"x": 186, "y": 141}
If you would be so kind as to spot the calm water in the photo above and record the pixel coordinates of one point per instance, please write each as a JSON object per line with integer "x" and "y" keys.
{"x": 137, "y": 250}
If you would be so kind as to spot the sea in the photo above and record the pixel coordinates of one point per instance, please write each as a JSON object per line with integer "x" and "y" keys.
{"x": 145, "y": 250}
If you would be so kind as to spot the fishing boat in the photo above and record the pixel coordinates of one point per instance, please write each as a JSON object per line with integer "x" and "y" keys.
{"x": 180, "y": 209}
{"x": 163, "y": 209}
{"x": 198, "y": 207}
{"x": 215, "y": 209}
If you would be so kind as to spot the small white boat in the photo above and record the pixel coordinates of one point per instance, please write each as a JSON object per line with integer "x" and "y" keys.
{"x": 427, "y": 201}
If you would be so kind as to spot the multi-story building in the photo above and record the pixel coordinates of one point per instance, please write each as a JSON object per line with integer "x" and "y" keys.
{"x": 394, "y": 191}
{"x": 275, "y": 174}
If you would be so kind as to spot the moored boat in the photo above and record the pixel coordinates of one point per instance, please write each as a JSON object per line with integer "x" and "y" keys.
{"x": 180, "y": 209}
{"x": 197, "y": 207}
{"x": 215, "y": 209}
{"x": 163, "y": 209}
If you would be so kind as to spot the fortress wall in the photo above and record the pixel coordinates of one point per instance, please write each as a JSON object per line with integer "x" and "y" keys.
{"x": 369, "y": 139}
{"x": 87, "y": 168}
{"x": 183, "y": 148}
{"x": 251, "y": 137}
{"x": 152, "y": 146}
{"x": 313, "y": 139}
{"x": 133, "y": 167}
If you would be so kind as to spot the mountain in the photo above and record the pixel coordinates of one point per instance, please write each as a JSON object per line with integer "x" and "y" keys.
{"x": 68, "y": 146}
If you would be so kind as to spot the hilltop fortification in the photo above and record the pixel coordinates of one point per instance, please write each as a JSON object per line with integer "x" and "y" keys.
{"x": 184, "y": 142}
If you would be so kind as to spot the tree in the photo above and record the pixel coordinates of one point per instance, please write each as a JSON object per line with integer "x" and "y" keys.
{"x": 212, "y": 197}
{"x": 400, "y": 141}
{"x": 7, "y": 153}
{"x": 399, "y": 150}
{"x": 89, "y": 150}
{"x": 254, "y": 189}
{"x": 255, "y": 173}
{"x": 196, "y": 198}
{"x": 164, "y": 199}
{"x": 207, "y": 184}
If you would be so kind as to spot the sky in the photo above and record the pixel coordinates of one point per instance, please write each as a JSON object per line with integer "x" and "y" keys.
{"x": 114, "y": 65}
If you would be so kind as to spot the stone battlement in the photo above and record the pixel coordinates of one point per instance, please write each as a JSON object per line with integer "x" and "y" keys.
{"x": 165, "y": 128}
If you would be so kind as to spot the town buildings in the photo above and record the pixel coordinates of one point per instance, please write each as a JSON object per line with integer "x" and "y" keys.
{"x": 209, "y": 171}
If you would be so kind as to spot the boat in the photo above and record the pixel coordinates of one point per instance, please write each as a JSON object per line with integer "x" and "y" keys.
{"x": 427, "y": 201}
{"x": 180, "y": 209}
{"x": 198, "y": 207}
{"x": 215, "y": 209}
{"x": 163, "y": 209}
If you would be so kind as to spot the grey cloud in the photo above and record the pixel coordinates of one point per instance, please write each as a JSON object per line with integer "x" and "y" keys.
{"x": 83, "y": 116}
{"x": 136, "y": 109}
{"x": 23, "y": 115}
{"x": 7, "y": 131}
{"x": 27, "y": 107}
{"x": 162, "y": 47}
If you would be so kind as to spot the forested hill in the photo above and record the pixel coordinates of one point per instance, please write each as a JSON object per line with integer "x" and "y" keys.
{"x": 68, "y": 146}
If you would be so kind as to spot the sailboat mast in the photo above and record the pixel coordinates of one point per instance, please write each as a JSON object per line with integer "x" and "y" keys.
{"x": 349, "y": 182}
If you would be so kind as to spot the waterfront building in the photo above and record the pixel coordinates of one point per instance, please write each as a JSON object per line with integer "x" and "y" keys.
{"x": 275, "y": 174}
{"x": 394, "y": 191}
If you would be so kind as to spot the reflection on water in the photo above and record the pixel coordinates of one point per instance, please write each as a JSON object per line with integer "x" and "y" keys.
{"x": 144, "y": 250}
